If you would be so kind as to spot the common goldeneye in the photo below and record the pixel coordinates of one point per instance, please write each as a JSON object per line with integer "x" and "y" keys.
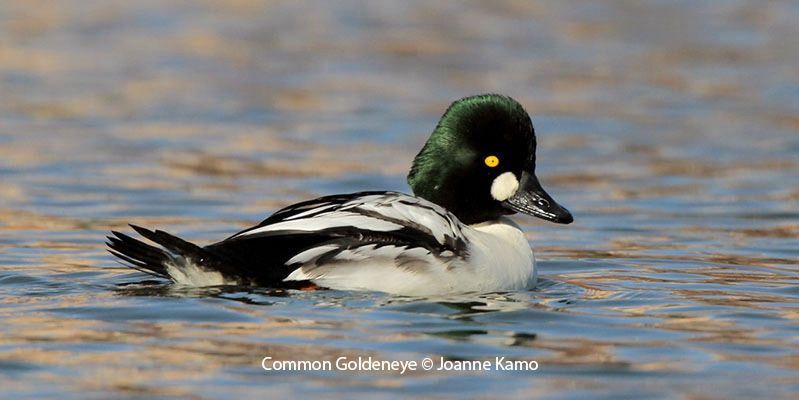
{"x": 452, "y": 236}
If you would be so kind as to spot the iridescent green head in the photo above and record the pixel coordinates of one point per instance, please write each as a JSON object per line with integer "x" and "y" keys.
{"x": 479, "y": 163}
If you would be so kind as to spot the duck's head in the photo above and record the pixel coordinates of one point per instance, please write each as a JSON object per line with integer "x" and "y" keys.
{"x": 479, "y": 163}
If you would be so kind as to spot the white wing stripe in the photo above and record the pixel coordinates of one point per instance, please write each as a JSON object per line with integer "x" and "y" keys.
{"x": 438, "y": 222}
{"x": 311, "y": 211}
{"x": 311, "y": 253}
{"x": 331, "y": 220}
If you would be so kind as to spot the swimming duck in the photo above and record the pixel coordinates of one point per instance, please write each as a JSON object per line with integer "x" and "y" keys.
{"x": 452, "y": 236}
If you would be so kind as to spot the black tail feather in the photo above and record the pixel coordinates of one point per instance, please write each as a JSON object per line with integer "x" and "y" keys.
{"x": 139, "y": 255}
{"x": 139, "y": 266}
{"x": 174, "y": 244}
{"x": 153, "y": 260}
{"x": 141, "y": 251}
{"x": 150, "y": 259}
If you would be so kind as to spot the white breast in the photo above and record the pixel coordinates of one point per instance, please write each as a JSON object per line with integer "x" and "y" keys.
{"x": 502, "y": 256}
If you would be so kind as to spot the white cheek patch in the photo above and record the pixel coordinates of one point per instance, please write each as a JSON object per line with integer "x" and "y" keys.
{"x": 504, "y": 186}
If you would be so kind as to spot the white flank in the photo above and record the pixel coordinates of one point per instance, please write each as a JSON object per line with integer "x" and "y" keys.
{"x": 504, "y": 186}
{"x": 500, "y": 259}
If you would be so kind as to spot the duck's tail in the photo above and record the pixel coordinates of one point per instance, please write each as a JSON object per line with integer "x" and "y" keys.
{"x": 178, "y": 260}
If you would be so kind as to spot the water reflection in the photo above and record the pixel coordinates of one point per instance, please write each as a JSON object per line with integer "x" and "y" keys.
{"x": 669, "y": 129}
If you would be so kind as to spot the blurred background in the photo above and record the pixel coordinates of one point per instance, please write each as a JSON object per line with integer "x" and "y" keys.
{"x": 669, "y": 128}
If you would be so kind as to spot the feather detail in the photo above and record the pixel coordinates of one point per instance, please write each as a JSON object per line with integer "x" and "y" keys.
{"x": 383, "y": 241}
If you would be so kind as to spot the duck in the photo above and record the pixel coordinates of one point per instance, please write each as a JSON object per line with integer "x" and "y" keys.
{"x": 453, "y": 235}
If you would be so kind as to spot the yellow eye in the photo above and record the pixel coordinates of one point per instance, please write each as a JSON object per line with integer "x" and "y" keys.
{"x": 491, "y": 161}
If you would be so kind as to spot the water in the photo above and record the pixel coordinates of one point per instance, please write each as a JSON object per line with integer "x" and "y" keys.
{"x": 668, "y": 128}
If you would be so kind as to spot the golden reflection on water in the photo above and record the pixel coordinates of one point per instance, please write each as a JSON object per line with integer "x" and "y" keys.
{"x": 669, "y": 130}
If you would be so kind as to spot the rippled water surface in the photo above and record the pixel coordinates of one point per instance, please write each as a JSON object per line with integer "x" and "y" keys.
{"x": 670, "y": 129}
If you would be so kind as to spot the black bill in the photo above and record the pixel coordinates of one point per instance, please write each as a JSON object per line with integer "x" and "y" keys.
{"x": 531, "y": 199}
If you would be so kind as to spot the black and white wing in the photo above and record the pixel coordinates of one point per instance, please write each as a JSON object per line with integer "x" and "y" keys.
{"x": 311, "y": 239}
